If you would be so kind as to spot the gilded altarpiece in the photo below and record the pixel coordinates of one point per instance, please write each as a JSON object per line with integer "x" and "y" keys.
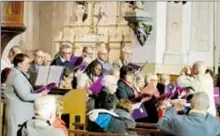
{"x": 103, "y": 20}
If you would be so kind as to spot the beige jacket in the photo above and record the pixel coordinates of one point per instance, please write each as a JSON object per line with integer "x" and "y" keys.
{"x": 200, "y": 83}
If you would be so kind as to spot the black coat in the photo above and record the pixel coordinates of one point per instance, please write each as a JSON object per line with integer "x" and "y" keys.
{"x": 57, "y": 61}
{"x": 124, "y": 91}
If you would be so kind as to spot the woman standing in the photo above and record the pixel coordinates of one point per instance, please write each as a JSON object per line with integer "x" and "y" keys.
{"x": 19, "y": 95}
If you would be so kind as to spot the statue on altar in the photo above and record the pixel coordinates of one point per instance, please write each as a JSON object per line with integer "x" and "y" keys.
{"x": 80, "y": 12}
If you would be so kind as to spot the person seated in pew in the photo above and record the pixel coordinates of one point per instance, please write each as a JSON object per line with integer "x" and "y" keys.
{"x": 63, "y": 59}
{"x": 105, "y": 119}
{"x": 165, "y": 86}
{"x": 124, "y": 59}
{"x": 139, "y": 82}
{"x": 35, "y": 64}
{"x": 88, "y": 52}
{"x": 109, "y": 86}
{"x": 37, "y": 61}
{"x": 153, "y": 78}
{"x": 67, "y": 79}
{"x": 47, "y": 59}
{"x": 115, "y": 72}
{"x": 125, "y": 84}
{"x": 7, "y": 61}
{"x": 102, "y": 55}
{"x": 124, "y": 110}
{"x": 41, "y": 123}
{"x": 198, "y": 122}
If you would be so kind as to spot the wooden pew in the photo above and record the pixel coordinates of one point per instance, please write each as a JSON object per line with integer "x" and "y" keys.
{"x": 146, "y": 132}
{"x": 80, "y": 126}
{"x": 74, "y": 110}
{"x": 146, "y": 125}
{"x": 87, "y": 133}
{"x": 138, "y": 125}
{"x": 141, "y": 129}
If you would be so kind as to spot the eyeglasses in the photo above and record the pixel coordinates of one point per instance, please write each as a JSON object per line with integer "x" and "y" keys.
{"x": 104, "y": 53}
{"x": 38, "y": 56}
{"x": 69, "y": 53}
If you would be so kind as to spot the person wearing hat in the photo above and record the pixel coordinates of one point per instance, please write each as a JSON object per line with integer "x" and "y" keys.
{"x": 105, "y": 119}
{"x": 41, "y": 123}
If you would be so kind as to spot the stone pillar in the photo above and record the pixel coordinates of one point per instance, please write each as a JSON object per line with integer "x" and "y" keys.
{"x": 173, "y": 51}
{"x": 202, "y": 33}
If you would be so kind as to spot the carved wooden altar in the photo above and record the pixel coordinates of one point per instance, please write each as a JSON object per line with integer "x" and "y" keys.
{"x": 11, "y": 21}
{"x": 104, "y": 26}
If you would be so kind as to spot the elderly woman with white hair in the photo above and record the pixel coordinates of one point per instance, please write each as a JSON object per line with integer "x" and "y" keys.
{"x": 109, "y": 86}
{"x": 41, "y": 123}
{"x": 199, "y": 81}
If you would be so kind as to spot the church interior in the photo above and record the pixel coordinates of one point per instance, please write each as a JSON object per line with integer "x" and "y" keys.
{"x": 110, "y": 68}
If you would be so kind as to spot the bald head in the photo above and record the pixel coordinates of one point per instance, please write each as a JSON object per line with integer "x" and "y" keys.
{"x": 102, "y": 54}
{"x": 200, "y": 101}
{"x": 199, "y": 67}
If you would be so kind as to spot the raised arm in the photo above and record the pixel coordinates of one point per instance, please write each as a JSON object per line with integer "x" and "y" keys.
{"x": 166, "y": 123}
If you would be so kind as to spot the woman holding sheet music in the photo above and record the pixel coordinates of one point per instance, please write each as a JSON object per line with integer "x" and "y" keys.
{"x": 19, "y": 95}
{"x": 91, "y": 74}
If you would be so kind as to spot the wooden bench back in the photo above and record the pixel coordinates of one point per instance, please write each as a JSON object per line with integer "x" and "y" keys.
{"x": 146, "y": 125}
{"x": 87, "y": 133}
{"x": 147, "y": 132}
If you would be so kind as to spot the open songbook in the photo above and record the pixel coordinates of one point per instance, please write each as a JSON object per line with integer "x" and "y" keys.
{"x": 48, "y": 76}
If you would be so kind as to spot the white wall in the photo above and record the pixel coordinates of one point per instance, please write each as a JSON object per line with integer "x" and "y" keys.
{"x": 147, "y": 52}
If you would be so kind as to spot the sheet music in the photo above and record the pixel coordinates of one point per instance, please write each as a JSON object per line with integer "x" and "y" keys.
{"x": 136, "y": 105}
{"x": 42, "y": 75}
{"x": 55, "y": 74}
{"x": 107, "y": 66}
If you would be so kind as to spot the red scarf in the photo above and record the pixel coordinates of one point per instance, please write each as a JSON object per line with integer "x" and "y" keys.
{"x": 129, "y": 84}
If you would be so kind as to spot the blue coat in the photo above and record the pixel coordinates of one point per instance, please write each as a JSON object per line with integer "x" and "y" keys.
{"x": 194, "y": 124}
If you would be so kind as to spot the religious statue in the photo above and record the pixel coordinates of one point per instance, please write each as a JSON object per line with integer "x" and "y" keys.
{"x": 80, "y": 12}
{"x": 142, "y": 30}
{"x": 139, "y": 20}
{"x": 126, "y": 7}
